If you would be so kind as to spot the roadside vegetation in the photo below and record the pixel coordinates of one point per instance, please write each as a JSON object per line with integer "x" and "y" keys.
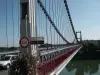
{"x": 89, "y": 50}
{"x": 8, "y": 49}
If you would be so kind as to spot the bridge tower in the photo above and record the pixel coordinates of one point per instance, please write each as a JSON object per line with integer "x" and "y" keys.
{"x": 27, "y": 26}
{"x": 80, "y": 38}
{"x": 24, "y": 25}
{"x": 28, "y": 31}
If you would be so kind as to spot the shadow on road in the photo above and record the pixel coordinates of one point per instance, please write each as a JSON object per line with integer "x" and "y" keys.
{"x": 2, "y": 69}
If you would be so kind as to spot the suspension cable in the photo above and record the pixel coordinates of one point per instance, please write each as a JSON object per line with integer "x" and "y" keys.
{"x": 41, "y": 29}
{"x": 13, "y": 23}
{"x": 18, "y": 20}
{"x": 50, "y": 25}
{"x": 42, "y": 23}
{"x": 53, "y": 19}
{"x": 38, "y": 23}
{"x": 56, "y": 22}
{"x": 69, "y": 28}
{"x": 66, "y": 5}
{"x": 6, "y": 25}
{"x": 41, "y": 20}
{"x": 46, "y": 28}
{"x": 59, "y": 20}
{"x": 49, "y": 18}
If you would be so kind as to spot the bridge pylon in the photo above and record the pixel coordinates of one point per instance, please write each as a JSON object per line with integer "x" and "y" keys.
{"x": 80, "y": 37}
{"x": 28, "y": 30}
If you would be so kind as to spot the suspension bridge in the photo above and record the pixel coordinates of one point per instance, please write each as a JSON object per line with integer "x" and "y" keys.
{"x": 47, "y": 33}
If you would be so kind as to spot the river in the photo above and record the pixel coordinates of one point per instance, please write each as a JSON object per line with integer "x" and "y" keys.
{"x": 82, "y": 67}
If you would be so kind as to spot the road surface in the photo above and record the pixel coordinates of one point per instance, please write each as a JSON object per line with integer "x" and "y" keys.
{"x": 3, "y": 72}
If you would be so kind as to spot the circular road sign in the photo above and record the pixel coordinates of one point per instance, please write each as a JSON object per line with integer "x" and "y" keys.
{"x": 24, "y": 42}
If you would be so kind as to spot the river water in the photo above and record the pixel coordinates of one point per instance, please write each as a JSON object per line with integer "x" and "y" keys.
{"x": 82, "y": 67}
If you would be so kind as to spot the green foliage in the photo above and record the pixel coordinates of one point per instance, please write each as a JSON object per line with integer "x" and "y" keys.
{"x": 89, "y": 47}
{"x": 20, "y": 66}
{"x": 2, "y": 49}
{"x": 88, "y": 51}
{"x": 12, "y": 48}
{"x": 99, "y": 44}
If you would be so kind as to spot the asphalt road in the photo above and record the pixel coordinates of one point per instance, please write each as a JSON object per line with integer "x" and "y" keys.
{"x": 3, "y": 72}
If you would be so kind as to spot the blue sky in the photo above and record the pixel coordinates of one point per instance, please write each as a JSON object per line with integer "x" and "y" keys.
{"x": 85, "y": 15}
{"x": 9, "y": 22}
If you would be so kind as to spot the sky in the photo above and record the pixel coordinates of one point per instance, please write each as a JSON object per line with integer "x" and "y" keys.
{"x": 85, "y": 15}
{"x": 9, "y": 22}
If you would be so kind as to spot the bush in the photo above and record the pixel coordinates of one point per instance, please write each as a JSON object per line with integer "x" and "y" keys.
{"x": 20, "y": 66}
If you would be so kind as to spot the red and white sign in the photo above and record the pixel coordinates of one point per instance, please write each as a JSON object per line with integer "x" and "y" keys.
{"x": 24, "y": 42}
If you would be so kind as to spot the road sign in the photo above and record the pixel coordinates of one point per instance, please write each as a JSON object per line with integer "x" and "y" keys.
{"x": 24, "y": 42}
{"x": 37, "y": 40}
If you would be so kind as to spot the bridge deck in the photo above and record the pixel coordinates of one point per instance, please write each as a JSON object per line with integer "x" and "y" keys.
{"x": 56, "y": 64}
{"x": 61, "y": 66}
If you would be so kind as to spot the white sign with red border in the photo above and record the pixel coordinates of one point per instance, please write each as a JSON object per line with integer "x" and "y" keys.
{"x": 24, "y": 42}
